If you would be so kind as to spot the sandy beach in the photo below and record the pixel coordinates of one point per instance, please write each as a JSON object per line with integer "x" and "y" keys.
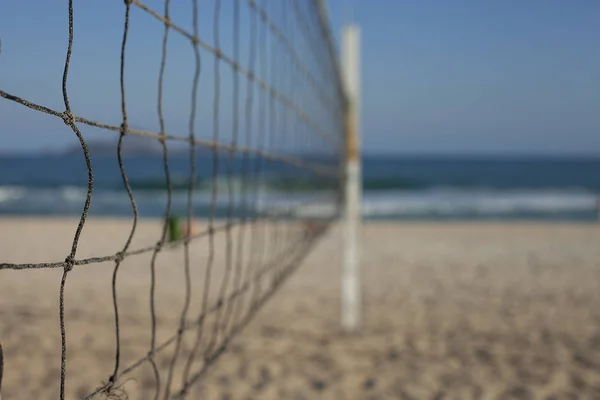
{"x": 451, "y": 311}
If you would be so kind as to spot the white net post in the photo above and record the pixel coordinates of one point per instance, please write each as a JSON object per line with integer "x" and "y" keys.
{"x": 351, "y": 287}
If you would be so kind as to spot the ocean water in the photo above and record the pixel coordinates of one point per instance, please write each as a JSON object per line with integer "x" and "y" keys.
{"x": 401, "y": 188}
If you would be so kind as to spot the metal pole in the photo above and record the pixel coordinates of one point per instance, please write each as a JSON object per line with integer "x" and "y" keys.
{"x": 351, "y": 288}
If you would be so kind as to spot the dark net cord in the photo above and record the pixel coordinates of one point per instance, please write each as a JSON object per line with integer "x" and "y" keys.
{"x": 293, "y": 98}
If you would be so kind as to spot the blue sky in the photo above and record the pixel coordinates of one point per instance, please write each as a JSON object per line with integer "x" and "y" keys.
{"x": 462, "y": 76}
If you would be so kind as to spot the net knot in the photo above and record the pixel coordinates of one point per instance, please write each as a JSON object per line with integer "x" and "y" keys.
{"x": 69, "y": 263}
{"x": 124, "y": 127}
{"x": 109, "y": 386}
{"x": 120, "y": 256}
{"x": 68, "y": 118}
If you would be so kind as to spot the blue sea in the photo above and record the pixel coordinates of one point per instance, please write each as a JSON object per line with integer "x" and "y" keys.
{"x": 395, "y": 187}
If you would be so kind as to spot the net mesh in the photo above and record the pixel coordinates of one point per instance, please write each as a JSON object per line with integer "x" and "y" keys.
{"x": 265, "y": 160}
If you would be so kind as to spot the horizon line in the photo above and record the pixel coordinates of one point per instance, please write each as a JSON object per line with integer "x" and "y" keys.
{"x": 374, "y": 153}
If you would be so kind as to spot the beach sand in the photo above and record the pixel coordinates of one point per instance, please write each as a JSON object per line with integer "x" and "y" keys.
{"x": 451, "y": 311}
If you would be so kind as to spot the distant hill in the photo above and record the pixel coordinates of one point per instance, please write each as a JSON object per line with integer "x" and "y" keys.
{"x": 131, "y": 145}
{"x": 138, "y": 145}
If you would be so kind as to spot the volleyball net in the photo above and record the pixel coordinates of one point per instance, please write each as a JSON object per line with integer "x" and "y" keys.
{"x": 258, "y": 161}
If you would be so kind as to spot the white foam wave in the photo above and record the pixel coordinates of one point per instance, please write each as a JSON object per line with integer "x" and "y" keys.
{"x": 438, "y": 202}
{"x": 453, "y": 203}
{"x": 73, "y": 194}
{"x": 479, "y": 203}
{"x": 11, "y": 193}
